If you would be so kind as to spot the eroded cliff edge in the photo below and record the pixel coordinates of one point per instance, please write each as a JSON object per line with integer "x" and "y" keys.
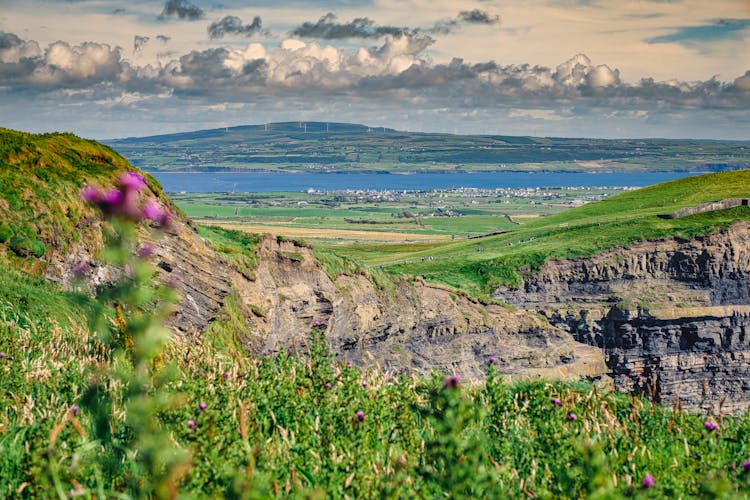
{"x": 671, "y": 317}
{"x": 412, "y": 325}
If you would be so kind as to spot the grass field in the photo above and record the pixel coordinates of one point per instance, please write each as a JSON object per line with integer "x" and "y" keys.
{"x": 351, "y": 217}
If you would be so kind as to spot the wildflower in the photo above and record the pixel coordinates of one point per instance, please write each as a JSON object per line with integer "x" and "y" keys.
{"x": 226, "y": 375}
{"x": 359, "y": 416}
{"x": 111, "y": 197}
{"x": 328, "y": 385}
{"x": 572, "y": 416}
{"x": 710, "y": 426}
{"x": 155, "y": 212}
{"x": 556, "y": 402}
{"x": 90, "y": 194}
{"x": 493, "y": 360}
{"x": 317, "y": 323}
{"x": 648, "y": 480}
{"x": 451, "y": 382}
{"x": 74, "y": 410}
{"x": 202, "y": 405}
{"x": 2, "y": 355}
{"x": 191, "y": 423}
{"x": 146, "y": 251}
{"x": 746, "y": 466}
{"x": 349, "y": 364}
{"x": 132, "y": 181}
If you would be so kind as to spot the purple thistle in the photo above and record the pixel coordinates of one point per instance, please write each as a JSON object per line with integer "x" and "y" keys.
{"x": 90, "y": 194}
{"x": 2, "y": 355}
{"x": 153, "y": 210}
{"x": 317, "y": 323}
{"x": 451, "y": 382}
{"x": 349, "y": 364}
{"x": 202, "y": 405}
{"x": 710, "y": 426}
{"x": 746, "y": 466}
{"x": 328, "y": 385}
{"x": 648, "y": 480}
{"x": 359, "y": 416}
{"x": 131, "y": 181}
{"x": 556, "y": 402}
{"x": 191, "y": 423}
{"x": 74, "y": 410}
{"x": 111, "y": 197}
{"x": 146, "y": 251}
{"x": 493, "y": 360}
{"x": 572, "y": 416}
{"x": 226, "y": 375}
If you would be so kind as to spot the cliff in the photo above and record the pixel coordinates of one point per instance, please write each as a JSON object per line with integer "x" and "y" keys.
{"x": 413, "y": 326}
{"x": 671, "y": 317}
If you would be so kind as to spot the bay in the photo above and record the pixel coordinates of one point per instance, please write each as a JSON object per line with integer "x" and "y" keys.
{"x": 227, "y": 182}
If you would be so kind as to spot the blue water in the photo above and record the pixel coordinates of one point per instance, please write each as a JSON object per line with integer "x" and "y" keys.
{"x": 208, "y": 182}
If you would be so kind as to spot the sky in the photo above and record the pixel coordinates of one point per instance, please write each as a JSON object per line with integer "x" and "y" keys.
{"x": 569, "y": 68}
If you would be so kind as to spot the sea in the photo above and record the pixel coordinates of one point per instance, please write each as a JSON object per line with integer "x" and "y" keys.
{"x": 237, "y": 182}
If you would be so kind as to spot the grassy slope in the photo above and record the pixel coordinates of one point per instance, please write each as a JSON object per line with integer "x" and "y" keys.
{"x": 40, "y": 180}
{"x": 297, "y": 436}
{"x": 478, "y": 265}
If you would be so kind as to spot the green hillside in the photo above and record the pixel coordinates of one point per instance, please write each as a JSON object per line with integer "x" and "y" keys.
{"x": 41, "y": 176}
{"x": 478, "y": 265}
{"x": 344, "y": 147}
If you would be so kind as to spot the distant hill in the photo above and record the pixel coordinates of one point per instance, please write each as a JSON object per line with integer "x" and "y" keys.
{"x": 345, "y": 147}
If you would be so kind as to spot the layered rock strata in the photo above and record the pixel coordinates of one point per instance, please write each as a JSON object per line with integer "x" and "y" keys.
{"x": 413, "y": 326}
{"x": 671, "y": 317}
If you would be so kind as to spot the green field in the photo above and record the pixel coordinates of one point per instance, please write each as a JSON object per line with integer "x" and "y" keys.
{"x": 457, "y": 213}
{"x": 477, "y": 266}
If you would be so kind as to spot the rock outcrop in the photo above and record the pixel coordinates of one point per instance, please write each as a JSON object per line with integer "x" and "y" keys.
{"x": 182, "y": 259}
{"x": 672, "y": 317}
{"x": 413, "y": 326}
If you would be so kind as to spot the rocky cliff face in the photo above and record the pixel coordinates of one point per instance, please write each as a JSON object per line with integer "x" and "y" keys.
{"x": 181, "y": 257}
{"x": 671, "y": 317}
{"x": 414, "y": 326}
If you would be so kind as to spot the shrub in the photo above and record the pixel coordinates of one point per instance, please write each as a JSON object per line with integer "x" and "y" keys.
{"x": 6, "y": 232}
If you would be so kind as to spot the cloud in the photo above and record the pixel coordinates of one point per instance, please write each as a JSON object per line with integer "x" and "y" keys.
{"x": 398, "y": 72}
{"x": 139, "y": 42}
{"x": 163, "y": 38}
{"x": 465, "y": 17}
{"x": 230, "y": 25}
{"x": 181, "y": 9}
{"x": 718, "y": 30}
{"x": 477, "y": 16}
{"x": 327, "y": 28}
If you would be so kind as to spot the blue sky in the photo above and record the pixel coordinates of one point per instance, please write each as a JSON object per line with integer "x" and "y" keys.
{"x": 638, "y": 68}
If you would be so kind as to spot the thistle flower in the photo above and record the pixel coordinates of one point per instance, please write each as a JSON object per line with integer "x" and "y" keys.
{"x": 451, "y": 382}
{"x": 317, "y": 323}
{"x": 74, "y": 410}
{"x": 648, "y": 480}
{"x": 328, "y": 385}
{"x": 746, "y": 466}
{"x": 191, "y": 423}
{"x": 202, "y": 405}
{"x": 493, "y": 360}
{"x": 572, "y": 416}
{"x": 146, "y": 251}
{"x": 225, "y": 375}
{"x": 90, "y": 194}
{"x": 710, "y": 426}
{"x": 2, "y": 355}
{"x": 359, "y": 416}
{"x": 556, "y": 402}
{"x": 131, "y": 181}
